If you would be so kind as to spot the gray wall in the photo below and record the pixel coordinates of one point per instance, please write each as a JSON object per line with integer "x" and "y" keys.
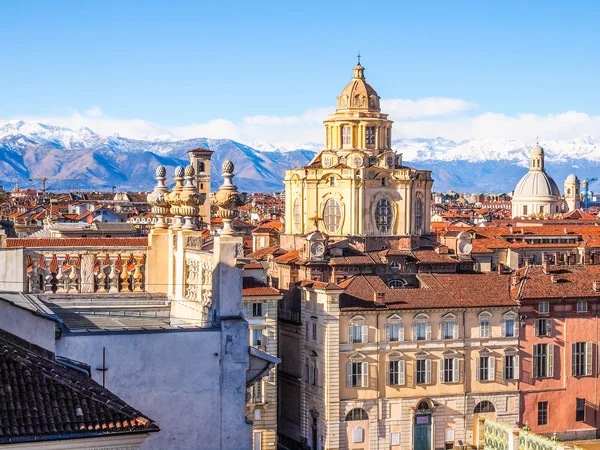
{"x": 26, "y": 325}
{"x": 12, "y": 268}
{"x": 172, "y": 377}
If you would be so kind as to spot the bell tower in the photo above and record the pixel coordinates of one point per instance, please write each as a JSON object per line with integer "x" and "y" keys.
{"x": 200, "y": 161}
{"x": 572, "y": 192}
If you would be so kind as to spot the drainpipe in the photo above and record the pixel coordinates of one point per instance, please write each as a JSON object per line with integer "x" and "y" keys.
{"x": 467, "y": 374}
{"x": 378, "y": 392}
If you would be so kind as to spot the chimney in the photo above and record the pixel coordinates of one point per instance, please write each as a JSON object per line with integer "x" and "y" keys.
{"x": 544, "y": 257}
{"x": 515, "y": 278}
{"x": 553, "y": 279}
{"x": 557, "y": 260}
{"x": 596, "y": 285}
{"x": 545, "y": 267}
{"x": 379, "y": 298}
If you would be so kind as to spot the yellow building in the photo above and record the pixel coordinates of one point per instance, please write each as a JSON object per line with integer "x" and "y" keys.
{"x": 381, "y": 344}
{"x": 358, "y": 184}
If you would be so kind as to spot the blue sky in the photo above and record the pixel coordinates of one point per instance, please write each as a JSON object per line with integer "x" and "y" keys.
{"x": 181, "y": 68}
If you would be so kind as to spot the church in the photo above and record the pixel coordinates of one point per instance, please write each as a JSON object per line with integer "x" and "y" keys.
{"x": 537, "y": 194}
{"x": 357, "y": 186}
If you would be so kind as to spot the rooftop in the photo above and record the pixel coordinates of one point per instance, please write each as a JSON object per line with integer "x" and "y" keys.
{"x": 41, "y": 399}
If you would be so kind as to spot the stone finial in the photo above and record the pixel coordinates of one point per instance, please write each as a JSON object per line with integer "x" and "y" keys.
{"x": 227, "y": 198}
{"x": 174, "y": 198}
{"x": 190, "y": 200}
{"x": 157, "y": 199}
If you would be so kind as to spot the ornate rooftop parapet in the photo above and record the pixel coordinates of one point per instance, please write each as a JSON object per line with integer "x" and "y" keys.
{"x": 157, "y": 199}
{"x": 227, "y": 198}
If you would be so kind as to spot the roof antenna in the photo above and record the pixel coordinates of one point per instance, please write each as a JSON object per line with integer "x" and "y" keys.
{"x": 358, "y": 56}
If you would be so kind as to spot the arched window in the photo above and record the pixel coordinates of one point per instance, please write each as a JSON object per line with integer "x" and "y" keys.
{"x": 383, "y": 215}
{"x": 297, "y": 215}
{"x": 484, "y": 407}
{"x": 332, "y": 215}
{"x": 423, "y": 406}
{"x": 419, "y": 213}
{"x": 357, "y": 414}
{"x": 396, "y": 284}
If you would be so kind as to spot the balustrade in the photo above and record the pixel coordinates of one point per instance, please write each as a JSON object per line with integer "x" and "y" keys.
{"x": 105, "y": 273}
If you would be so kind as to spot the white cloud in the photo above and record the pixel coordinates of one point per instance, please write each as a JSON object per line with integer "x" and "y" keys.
{"x": 399, "y": 108}
{"x": 428, "y": 117}
{"x": 94, "y": 111}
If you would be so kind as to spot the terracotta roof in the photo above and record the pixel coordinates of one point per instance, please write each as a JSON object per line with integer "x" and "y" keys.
{"x": 288, "y": 257}
{"x": 263, "y": 252}
{"x": 76, "y": 242}
{"x": 561, "y": 282}
{"x": 251, "y": 287}
{"x": 436, "y": 291}
{"x": 253, "y": 265}
{"x": 41, "y": 399}
{"x": 318, "y": 285}
{"x": 432, "y": 257}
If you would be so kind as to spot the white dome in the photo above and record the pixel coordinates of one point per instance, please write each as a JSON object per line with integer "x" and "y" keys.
{"x": 572, "y": 178}
{"x": 536, "y": 184}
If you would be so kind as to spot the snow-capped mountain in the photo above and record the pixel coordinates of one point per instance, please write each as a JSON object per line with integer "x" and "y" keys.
{"x": 88, "y": 160}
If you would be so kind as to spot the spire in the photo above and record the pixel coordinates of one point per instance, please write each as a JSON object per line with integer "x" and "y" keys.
{"x": 358, "y": 56}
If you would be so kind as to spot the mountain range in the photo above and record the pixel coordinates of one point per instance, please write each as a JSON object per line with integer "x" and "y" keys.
{"x": 82, "y": 159}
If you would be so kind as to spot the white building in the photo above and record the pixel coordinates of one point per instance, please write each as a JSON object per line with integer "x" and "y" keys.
{"x": 536, "y": 193}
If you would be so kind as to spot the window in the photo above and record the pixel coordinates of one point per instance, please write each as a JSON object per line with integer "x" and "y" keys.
{"x": 449, "y": 330}
{"x": 395, "y": 284}
{"x": 511, "y": 370}
{"x": 449, "y": 370}
{"x": 419, "y": 213}
{"x": 332, "y": 215}
{"x": 357, "y": 333}
{"x": 524, "y": 210}
{"x": 423, "y": 371}
{"x": 484, "y": 325}
{"x": 580, "y": 410}
{"x": 543, "y": 327}
{"x": 544, "y": 308}
{"x": 509, "y": 326}
{"x": 486, "y": 370}
{"x": 396, "y": 372}
{"x": 543, "y": 360}
{"x": 582, "y": 306}
{"x": 312, "y": 370}
{"x": 257, "y": 337}
{"x": 383, "y": 216}
{"x": 331, "y": 181}
{"x": 542, "y": 209}
{"x": 357, "y": 414}
{"x": 297, "y": 215}
{"x": 257, "y": 310}
{"x": 370, "y": 136}
{"x": 542, "y": 413}
{"x": 395, "y": 438}
{"x": 357, "y": 374}
{"x": 256, "y": 392}
{"x": 383, "y": 181}
{"x": 484, "y": 407}
{"x": 346, "y": 135}
{"x": 394, "y": 332}
{"x": 421, "y": 331}
{"x": 314, "y": 331}
{"x": 395, "y": 265}
{"x": 581, "y": 359}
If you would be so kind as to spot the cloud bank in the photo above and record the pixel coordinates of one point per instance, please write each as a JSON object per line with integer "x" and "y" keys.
{"x": 451, "y": 118}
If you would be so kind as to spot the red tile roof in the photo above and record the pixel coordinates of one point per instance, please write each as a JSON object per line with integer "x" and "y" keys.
{"x": 76, "y": 242}
{"x": 436, "y": 291}
{"x": 561, "y": 282}
{"x": 253, "y": 265}
{"x": 263, "y": 252}
{"x": 41, "y": 399}
{"x": 251, "y": 287}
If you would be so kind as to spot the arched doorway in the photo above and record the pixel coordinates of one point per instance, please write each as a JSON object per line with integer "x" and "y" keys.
{"x": 483, "y": 410}
{"x": 422, "y": 426}
{"x": 357, "y": 428}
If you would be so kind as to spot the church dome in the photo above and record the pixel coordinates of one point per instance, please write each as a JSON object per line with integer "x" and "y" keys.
{"x": 358, "y": 94}
{"x": 571, "y": 178}
{"x": 536, "y": 184}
